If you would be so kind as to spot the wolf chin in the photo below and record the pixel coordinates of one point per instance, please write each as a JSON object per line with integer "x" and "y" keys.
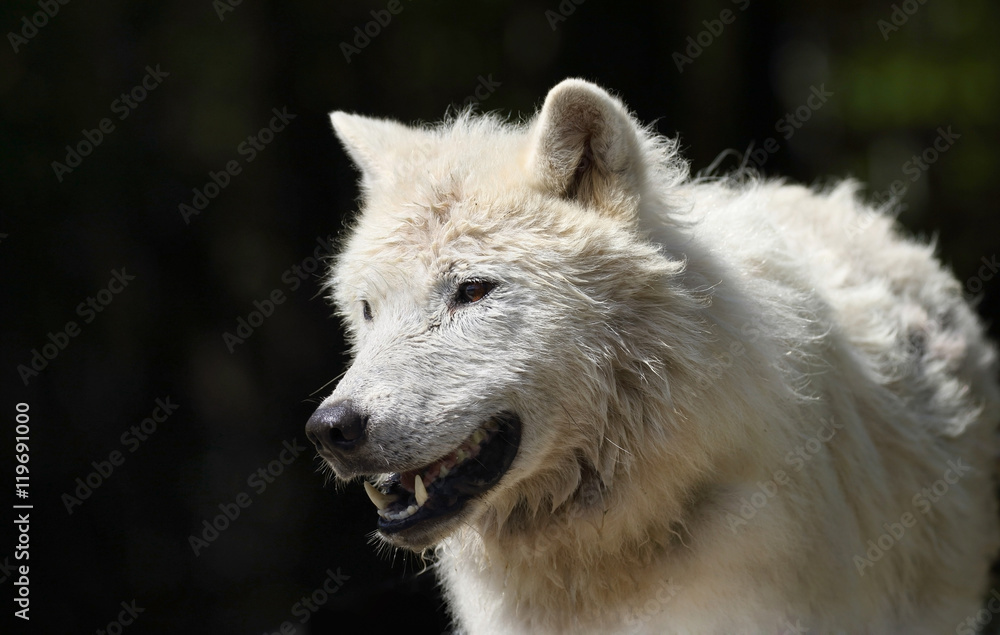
{"x": 610, "y": 397}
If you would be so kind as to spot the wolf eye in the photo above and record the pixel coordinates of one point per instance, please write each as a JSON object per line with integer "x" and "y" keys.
{"x": 366, "y": 310}
{"x": 473, "y": 291}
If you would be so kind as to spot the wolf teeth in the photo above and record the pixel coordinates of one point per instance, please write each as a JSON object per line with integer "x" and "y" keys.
{"x": 400, "y": 515}
{"x": 381, "y": 500}
{"x": 419, "y": 490}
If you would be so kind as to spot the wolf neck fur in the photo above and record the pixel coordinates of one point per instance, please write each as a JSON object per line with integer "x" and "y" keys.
{"x": 645, "y": 523}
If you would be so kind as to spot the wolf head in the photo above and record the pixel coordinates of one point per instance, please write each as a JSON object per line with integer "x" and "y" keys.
{"x": 498, "y": 288}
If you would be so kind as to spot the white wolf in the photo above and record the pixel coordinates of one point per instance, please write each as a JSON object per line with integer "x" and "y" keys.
{"x": 614, "y": 398}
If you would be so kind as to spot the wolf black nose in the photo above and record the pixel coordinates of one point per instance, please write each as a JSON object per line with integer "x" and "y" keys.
{"x": 336, "y": 427}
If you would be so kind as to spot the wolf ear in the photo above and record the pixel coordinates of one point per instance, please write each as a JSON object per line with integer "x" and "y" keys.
{"x": 586, "y": 147}
{"x": 375, "y": 145}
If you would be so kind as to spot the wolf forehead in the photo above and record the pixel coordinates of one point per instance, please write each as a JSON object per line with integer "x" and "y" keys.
{"x": 442, "y": 214}
{"x": 434, "y": 185}
{"x": 444, "y": 236}
{"x": 430, "y": 228}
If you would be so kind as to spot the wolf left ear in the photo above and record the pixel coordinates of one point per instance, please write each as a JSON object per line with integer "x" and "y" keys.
{"x": 586, "y": 147}
{"x": 375, "y": 145}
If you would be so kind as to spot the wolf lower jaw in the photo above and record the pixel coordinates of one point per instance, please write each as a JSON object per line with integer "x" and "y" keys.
{"x": 417, "y": 508}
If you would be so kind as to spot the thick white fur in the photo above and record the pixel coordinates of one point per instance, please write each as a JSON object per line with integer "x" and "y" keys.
{"x": 671, "y": 345}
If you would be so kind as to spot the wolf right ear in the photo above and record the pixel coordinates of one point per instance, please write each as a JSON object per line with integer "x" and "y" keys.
{"x": 375, "y": 145}
{"x": 586, "y": 147}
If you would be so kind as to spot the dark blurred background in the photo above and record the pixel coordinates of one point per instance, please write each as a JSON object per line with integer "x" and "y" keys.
{"x": 868, "y": 86}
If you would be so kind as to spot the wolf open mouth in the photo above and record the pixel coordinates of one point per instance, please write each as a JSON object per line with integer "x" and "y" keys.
{"x": 443, "y": 487}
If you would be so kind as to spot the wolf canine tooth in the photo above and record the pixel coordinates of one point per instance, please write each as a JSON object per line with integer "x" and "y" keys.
{"x": 381, "y": 500}
{"x": 419, "y": 490}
